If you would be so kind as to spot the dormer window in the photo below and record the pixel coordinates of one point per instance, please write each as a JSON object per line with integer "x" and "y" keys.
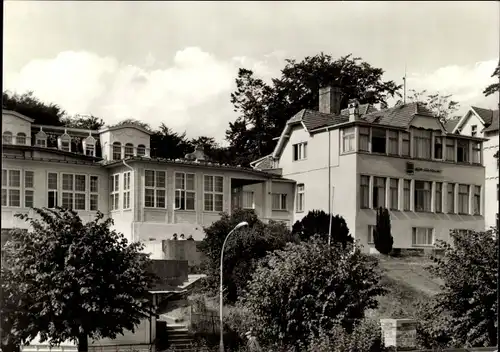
{"x": 89, "y": 146}
{"x": 141, "y": 150}
{"x": 473, "y": 130}
{"x": 7, "y": 137}
{"x": 41, "y": 139}
{"x": 117, "y": 151}
{"x": 129, "y": 150}
{"x": 21, "y": 138}
{"x": 65, "y": 142}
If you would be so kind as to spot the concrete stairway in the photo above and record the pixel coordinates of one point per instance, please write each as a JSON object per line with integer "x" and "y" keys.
{"x": 179, "y": 338}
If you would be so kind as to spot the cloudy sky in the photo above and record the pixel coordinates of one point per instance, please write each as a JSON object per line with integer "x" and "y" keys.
{"x": 175, "y": 62}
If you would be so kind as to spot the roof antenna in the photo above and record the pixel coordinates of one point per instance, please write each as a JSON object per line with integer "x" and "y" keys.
{"x": 404, "y": 86}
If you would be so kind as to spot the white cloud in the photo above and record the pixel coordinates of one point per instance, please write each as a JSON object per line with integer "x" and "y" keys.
{"x": 83, "y": 82}
{"x": 465, "y": 83}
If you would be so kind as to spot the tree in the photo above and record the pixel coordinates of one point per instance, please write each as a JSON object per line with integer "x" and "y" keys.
{"x": 382, "y": 235}
{"x": 468, "y": 299}
{"x": 30, "y": 106}
{"x": 136, "y": 122}
{"x": 265, "y": 108}
{"x": 441, "y": 105}
{"x": 309, "y": 288}
{"x": 494, "y": 87}
{"x": 242, "y": 250}
{"x": 87, "y": 122}
{"x": 169, "y": 144}
{"x": 73, "y": 281}
{"x": 316, "y": 222}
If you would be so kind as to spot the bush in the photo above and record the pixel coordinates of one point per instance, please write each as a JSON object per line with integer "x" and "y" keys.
{"x": 316, "y": 224}
{"x": 382, "y": 235}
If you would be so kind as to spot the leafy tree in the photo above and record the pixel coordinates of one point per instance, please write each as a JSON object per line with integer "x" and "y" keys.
{"x": 242, "y": 250}
{"x": 494, "y": 87}
{"x": 136, "y": 122}
{"x": 441, "y": 105}
{"x": 72, "y": 281}
{"x": 265, "y": 108}
{"x": 30, "y": 106}
{"x": 382, "y": 235}
{"x": 316, "y": 223}
{"x": 87, "y": 122}
{"x": 469, "y": 294}
{"x": 309, "y": 288}
{"x": 168, "y": 144}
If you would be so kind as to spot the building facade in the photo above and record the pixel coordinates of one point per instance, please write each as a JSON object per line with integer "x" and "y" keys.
{"x": 484, "y": 123}
{"x": 353, "y": 161}
{"x": 111, "y": 170}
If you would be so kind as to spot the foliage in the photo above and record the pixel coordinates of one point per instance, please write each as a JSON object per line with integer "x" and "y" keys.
{"x": 316, "y": 223}
{"x": 29, "y": 105}
{"x": 310, "y": 287}
{"x": 168, "y": 144}
{"x": 242, "y": 250}
{"x": 136, "y": 122}
{"x": 264, "y": 108}
{"x": 494, "y": 87}
{"x": 87, "y": 122}
{"x": 441, "y": 105}
{"x": 433, "y": 330}
{"x": 72, "y": 280}
{"x": 382, "y": 235}
{"x": 469, "y": 297}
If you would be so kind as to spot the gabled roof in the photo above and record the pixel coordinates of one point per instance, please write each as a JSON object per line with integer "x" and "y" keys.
{"x": 493, "y": 126}
{"x": 485, "y": 114}
{"x": 488, "y": 117}
{"x": 450, "y": 125}
{"x": 264, "y": 163}
{"x": 16, "y": 114}
{"x": 126, "y": 125}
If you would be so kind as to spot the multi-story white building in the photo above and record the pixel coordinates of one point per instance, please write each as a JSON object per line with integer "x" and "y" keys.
{"x": 484, "y": 123}
{"x": 111, "y": 170}
{"x": 353, "y": 161}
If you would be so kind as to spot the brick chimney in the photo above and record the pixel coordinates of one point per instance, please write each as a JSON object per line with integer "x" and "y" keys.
{"x": 329, "y": 100}
{"x": 353, "y": 108}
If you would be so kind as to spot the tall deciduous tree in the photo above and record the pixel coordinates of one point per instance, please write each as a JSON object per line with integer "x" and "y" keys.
{"x": 87, "y": 122}
{"x": 67, "y": 280}
{"x": 30, "y": 106}
{"x": 317, "y": 222}
{"x": 264, "y": 108}
{"x": 382, "y": 235}
{"x": 441, "y": 105}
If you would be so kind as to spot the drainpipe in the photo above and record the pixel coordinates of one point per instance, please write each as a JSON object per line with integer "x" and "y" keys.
{"x": 329, "y": 186}
{"x": 132, "y": 224}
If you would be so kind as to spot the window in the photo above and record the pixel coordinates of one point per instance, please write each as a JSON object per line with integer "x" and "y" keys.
{"x": 438, "y": 201}
{"x": 394, "y": 190}
{"x": 473, "y": 130}
{"x": 405, "y": 143}
{"x": 450, "y": 149}
{"x": 7, "y": 137}
{"x": 378, "y": 140}
{"x": 29, "y": 189}
{"x": 462, "y": 151}
{"x": 117, "y": 151}
{"x": 438, "y": 148}
{"x": 300, "y": 197}
{"x": 94, "y": 193}
{"x": 126, "y": 190}
{"x": 422, "y": 236}
{"x": 129, "y": 150}
{"x": 90, "y": 146}
{"x": 74, "y": 191}
{"x": 279, "y": 201}
{"x": 371, "y": 237}
{"x": 185, "y": 194}
{"x": 463, "y": 199}
{"x": 477, "y": 200}
{"x": 154, "y": 192}
{"x": 476, "y": 153}
{"x": 364, "y": 191}
{"x": 450, "y": 200}
{"x": 141, "y": 150}
{"x": 393, "y": 143}
{"x": 52, "y": 186}
{"x": 422, "y": 196}
{"x": 378, "y": 192}
{"x": 114, "y": 187}
{"x": 364, "y": 139}
{"x": 462, "y": 232}
{"x": 299, "y": 151}
{"x": 41, "y": 139}
{"x": 348, "y": 140}
{"x": 248, "y": 202}
{"x": 11, "y": 188}
{"x": 65, "y": 142}
{"x": 422, "y": 144}
{"x": 21, "y": 138}
{"x": 213, "y": 193}
{"x": 406, "y": 194}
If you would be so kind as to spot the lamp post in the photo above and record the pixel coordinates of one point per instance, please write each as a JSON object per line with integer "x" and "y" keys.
{"x": 221, "y": 344}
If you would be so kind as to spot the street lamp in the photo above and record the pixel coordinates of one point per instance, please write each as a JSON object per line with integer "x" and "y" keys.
{"x": 241, "y": 224}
